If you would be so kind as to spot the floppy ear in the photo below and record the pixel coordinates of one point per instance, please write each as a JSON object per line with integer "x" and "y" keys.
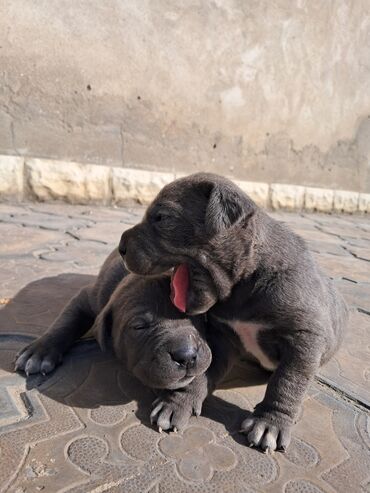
{"x": 225, "y": 208}
{"x": 102, "y": 328}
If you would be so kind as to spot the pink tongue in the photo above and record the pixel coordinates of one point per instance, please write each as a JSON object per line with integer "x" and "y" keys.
{"x": 180, "y": 285}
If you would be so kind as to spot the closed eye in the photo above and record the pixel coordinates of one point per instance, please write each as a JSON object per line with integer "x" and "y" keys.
{"x": 142, "y": 323}
{"x": 140, "y": 327}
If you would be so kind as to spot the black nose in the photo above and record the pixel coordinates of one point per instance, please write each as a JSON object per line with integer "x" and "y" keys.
{"x": 185, "y": 356}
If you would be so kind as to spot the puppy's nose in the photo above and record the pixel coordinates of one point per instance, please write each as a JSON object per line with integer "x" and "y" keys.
{"x": 185, "y": 356}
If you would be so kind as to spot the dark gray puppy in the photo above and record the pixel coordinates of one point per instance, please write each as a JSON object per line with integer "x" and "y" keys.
{"x": 251, "y": 274}
{"x": 161, "y": 346}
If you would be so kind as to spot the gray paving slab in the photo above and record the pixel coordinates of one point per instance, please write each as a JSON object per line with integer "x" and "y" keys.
{"x": 86, "y": 429}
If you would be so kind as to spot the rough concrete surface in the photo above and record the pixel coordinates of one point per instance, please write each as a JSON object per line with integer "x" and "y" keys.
{"x": 85, "y": 428}
{"x": 264, "y": 91}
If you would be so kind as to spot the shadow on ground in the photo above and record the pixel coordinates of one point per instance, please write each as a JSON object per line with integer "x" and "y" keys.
{"x": 87, "y": 377}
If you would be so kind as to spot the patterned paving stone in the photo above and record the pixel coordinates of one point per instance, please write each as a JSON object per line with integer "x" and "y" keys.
{"x": 85, "y": 428}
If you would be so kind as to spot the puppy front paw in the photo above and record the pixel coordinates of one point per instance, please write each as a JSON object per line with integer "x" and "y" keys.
{"x": 268, "y": 434}
{"x": 173, "y": 408}
{"x": 37, "y": 357}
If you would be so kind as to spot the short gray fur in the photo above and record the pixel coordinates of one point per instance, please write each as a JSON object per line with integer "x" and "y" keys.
{"x": 245, "y": 265}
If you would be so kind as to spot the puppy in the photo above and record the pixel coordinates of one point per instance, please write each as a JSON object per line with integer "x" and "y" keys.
{"x": 254, "y": 277}
{"x": 134, "y": 316}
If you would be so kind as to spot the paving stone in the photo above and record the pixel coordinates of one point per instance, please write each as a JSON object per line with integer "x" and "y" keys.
{"x": 346, "y": 231}
{"x": 356, "y": 294}
{"x": 293, "y": 218}
{"x": 315, "y": 234}
{"x": 349, "y": 369}
{"x": 335, "y": 218}
{"x": 331, "y": 248}
{"x": 47, "y": 221}
{"x": 359, "y": 252}
{"x": 86, "y": 427}
{"x": 59, "y": 208}
{"x": 78, "y": 254}
{"x": 19, "y": 241}
{"x": 359, "y": 242}
{"x": 107, "y": 233}
{"x": 344, "y": 267}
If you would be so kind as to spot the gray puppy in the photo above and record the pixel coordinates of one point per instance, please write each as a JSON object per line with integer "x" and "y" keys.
{"x": 134, "y": 316}
{"x": 255, "y": 278}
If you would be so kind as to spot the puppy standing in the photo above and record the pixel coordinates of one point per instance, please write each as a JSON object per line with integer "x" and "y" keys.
{"x": 255, "y": 278}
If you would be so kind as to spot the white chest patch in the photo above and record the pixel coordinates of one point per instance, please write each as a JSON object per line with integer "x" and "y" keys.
{"x": 248, "y": 334}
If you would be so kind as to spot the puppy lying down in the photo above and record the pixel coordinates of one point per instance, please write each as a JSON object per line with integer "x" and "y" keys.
{"x": 162, "y": 347}
{"x": 262, "y": 292}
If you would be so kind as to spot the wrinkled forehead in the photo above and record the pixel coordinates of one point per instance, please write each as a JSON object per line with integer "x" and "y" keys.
{"x": 189, "y": 186}
{"x": 165, "y": 204}
{"x": 179, "y": 198}
{"x": 149, "y": 295}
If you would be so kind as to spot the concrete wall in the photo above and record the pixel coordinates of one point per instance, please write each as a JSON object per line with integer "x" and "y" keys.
{"x": 261, "y": 90}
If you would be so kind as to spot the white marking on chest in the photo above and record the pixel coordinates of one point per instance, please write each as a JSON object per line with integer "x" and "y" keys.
{"x": 248, "y": 334}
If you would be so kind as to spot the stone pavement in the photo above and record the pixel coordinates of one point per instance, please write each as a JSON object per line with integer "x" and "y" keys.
{"x": 85, "y": 428}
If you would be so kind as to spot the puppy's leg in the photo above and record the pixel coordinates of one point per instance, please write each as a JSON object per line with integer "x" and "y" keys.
{"x": 173, "y": 408}
{"x": 269, "y": 427}
{"x": 43, "y": 355}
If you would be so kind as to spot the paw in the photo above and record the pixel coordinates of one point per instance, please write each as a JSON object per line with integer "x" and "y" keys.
{"x": 267, "y": 434}
{"x": 37, "y": 358}
{"x": 173, "y": 409}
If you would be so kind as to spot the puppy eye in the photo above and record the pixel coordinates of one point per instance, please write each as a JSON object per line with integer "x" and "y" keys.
{"x": 142, "y": 323}
{"x": 140, "y": 327}
{"x": 161, "y": 217}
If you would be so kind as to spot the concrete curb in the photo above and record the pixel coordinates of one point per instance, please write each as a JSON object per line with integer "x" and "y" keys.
{"x": 77, "y": 183}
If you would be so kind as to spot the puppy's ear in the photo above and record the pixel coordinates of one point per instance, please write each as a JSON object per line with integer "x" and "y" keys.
{"x": 102, "y": 328}
{"x": 225, "y": 208}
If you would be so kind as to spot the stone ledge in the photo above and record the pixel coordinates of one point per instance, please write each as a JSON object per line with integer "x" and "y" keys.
{"x": 11, "y": 177}
{"x": 288, "y": 197}
{"x": 318, "y": 199}
{"x": 72, "y": 182}
{"x": 364, "y": 202}
{"x": 345, "y": 201}
{"x": 137, "y": 185}
{"x": 78, "y": 183}
{"x": 259, "y": 192}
